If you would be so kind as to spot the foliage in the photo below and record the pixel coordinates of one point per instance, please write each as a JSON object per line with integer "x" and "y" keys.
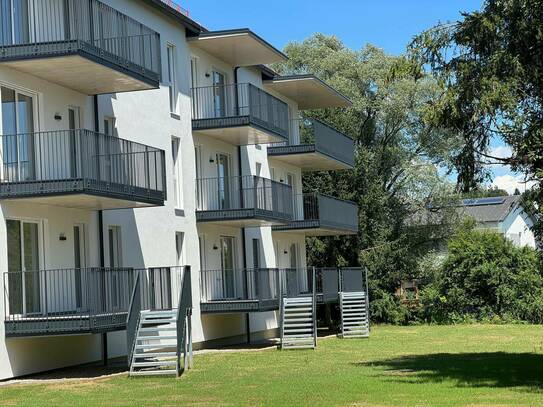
{"x": 397, "y": 151}
{"x": 485, "y": 277}
{"x": 490, "y": 65}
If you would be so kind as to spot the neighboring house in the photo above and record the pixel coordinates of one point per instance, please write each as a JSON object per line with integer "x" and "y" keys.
{"x": 133, "y": 142}
{"x": 505, "y": 215}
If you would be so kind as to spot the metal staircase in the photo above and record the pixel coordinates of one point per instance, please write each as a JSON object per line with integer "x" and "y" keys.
{"x": 155, "y": 351}
{"x": 298, "y": 323}
{"x": 354, "y": 314}
{"x": 157, "y": 339}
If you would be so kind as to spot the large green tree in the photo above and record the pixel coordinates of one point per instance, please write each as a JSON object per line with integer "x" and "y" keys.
{"x": 490, "y": 66}
{"x": 398, "y": 150}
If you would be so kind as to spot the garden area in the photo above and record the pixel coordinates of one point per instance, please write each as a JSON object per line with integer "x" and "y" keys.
{"x": 455, "y": 365}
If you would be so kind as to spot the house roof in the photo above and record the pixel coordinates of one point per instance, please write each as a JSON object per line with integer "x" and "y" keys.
{"x": 489, "y": 209}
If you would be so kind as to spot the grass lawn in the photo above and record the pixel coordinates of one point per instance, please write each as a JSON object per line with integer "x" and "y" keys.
{"x": 477, "y": 365}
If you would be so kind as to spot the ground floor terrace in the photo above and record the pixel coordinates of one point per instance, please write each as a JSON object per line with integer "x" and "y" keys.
{"x": 461, "y": 365}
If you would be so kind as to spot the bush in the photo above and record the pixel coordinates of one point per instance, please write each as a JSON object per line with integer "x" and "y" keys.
{"x": 486, "y": 278}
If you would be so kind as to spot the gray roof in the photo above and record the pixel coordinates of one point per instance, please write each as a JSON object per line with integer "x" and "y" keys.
{"x": 495, "y": 212}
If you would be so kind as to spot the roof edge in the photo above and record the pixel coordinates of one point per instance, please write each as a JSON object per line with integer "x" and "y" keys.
{"x": 192, "y": 26}
{"x": 311, "y": 77}
{"x": 238, "y": 31}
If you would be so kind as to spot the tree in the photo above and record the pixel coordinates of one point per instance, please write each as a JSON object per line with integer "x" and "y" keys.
{"x": 490, "y": 65}
{"x": 397, "y": 151}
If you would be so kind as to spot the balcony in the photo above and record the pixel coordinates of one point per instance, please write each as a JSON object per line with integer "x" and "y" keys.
{"x": 321, "y": 215}
{"x": 252, "y": 290}
{"x": 243, "y": 201}
{"x": 239, "y": 114}
{"x": 330, "y": 281}
{"x": 84, "y": 45}
{"x": 80, "y": 301}
{"x": 81, "y": 169}
{"x": 259, "y": 290}
{"x": 315, "y": 146}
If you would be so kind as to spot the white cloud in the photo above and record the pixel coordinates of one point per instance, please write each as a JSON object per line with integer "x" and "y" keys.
{"x": 501, "y": 152}
{"x": 510, "y": 183}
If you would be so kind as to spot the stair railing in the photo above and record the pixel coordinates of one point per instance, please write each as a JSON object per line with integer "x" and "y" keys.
{"x": 184, "y": 323}
{"x": 133, "y": 318}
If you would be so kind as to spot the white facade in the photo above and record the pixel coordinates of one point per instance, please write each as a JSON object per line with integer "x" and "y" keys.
{"x": 144, "y": 236}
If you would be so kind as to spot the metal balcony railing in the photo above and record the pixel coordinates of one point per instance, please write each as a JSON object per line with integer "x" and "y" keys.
{"x": 319, "y": 210}
{"x": 309, "y": 135}
{"x": 259, "y": 196}
{"x": 82, "y": 300}
{"x": 55, "y": 162}
{"x": 237, "y": 105}
{"x": 49, "y": 28}
{"x": 237, "y": 290}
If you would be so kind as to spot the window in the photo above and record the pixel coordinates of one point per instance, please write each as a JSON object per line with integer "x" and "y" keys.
{"x": 219, "y": 94}
{"x": 109, "y": 126}
{"x": 176, "y": 173}
{"x": 194, "y": 72}
{"x": 256, "y": 254}
{"x": 179, "y": 248}
{"x": 198, "y": 161}
{"x": 115, "y": 247}
{"x": 170, "y": 78}
{"x": 258, "y": 169}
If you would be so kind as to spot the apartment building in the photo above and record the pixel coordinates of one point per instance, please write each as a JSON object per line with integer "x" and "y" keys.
{"x": 136, "y": 142}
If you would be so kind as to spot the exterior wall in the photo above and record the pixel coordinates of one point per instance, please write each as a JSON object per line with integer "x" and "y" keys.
{"x": 147, "y": 234}
{"x": 517, "y": 227}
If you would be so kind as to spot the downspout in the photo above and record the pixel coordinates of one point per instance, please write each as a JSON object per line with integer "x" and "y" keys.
{"x": 243, "y": 240}
{"x": 100, "y": 231}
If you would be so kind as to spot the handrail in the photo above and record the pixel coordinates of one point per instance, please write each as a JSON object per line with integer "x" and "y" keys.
{"x": 184, "y": 322}
{"x": 133, "y": 318}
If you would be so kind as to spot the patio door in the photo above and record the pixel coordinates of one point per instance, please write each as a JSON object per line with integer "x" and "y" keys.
{"x": 219, "y": 94}
{"x": 80, "y": 263}
{"x": 224, "y": 181}
{"x": 24, "y": 261}
{"x": 18, "y": 139}
{"x": 14, "y": 22}
{"x": 228, "y": 266}
{"x": 73, "y": 125}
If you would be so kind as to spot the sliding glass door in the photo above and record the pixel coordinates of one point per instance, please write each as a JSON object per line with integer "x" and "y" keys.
{"x": 23, "y": 256}
{"x": 17, "y": 138}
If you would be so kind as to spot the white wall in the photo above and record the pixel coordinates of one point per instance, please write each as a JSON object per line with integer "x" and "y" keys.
{"x": 517, "y": 227}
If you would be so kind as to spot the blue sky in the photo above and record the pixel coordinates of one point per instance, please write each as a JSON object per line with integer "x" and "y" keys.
{"x": 388, "y": 24}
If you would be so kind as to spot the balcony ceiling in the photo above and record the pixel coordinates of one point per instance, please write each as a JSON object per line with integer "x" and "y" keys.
{"x": 309, "y": 91}
{"x": 237, "y": 47}
{"x": 80, "y": 74}
{"x": 310, "y": 161}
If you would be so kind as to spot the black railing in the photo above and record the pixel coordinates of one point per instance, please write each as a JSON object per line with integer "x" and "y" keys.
{"x": 82, "y": 300}
{"x": 319, "y": 210}
{"x": 311, "y": 135}
{"x": 48, "y": 28}
{"x": 80, "y": 160}
{"x": 224, "y": 105}
{"x": 260, "y": 196}
{"x": 332, "y": 280}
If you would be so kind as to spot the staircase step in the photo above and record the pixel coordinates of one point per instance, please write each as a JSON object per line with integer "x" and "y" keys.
{"x": 158, "y": 329}
{"x": 155, "y": 363}
{"x": 162, "y": 372}
{"x": 156, "y": 346}
{"x": 140, "y": 355}
{"x": 155, "y": 337}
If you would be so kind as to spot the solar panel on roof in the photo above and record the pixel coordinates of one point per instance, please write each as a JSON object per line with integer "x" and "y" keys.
{"x": 483, "y": 201}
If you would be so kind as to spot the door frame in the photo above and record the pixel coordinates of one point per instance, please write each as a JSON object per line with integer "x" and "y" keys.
{"x": 41, "y": 263}
{"x": 224, "y": 276}
{"x": 35, "y": 120}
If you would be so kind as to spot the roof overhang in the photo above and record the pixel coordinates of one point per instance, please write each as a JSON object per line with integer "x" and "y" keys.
{"x": 309, "y": 91}
{"x": 239, "y": 47}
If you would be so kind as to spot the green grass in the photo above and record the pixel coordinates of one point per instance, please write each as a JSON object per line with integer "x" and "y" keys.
{"x": 466, "y": 365}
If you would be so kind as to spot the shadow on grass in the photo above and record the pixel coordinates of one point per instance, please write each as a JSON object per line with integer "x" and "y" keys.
{"x": 498, "y": 369}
